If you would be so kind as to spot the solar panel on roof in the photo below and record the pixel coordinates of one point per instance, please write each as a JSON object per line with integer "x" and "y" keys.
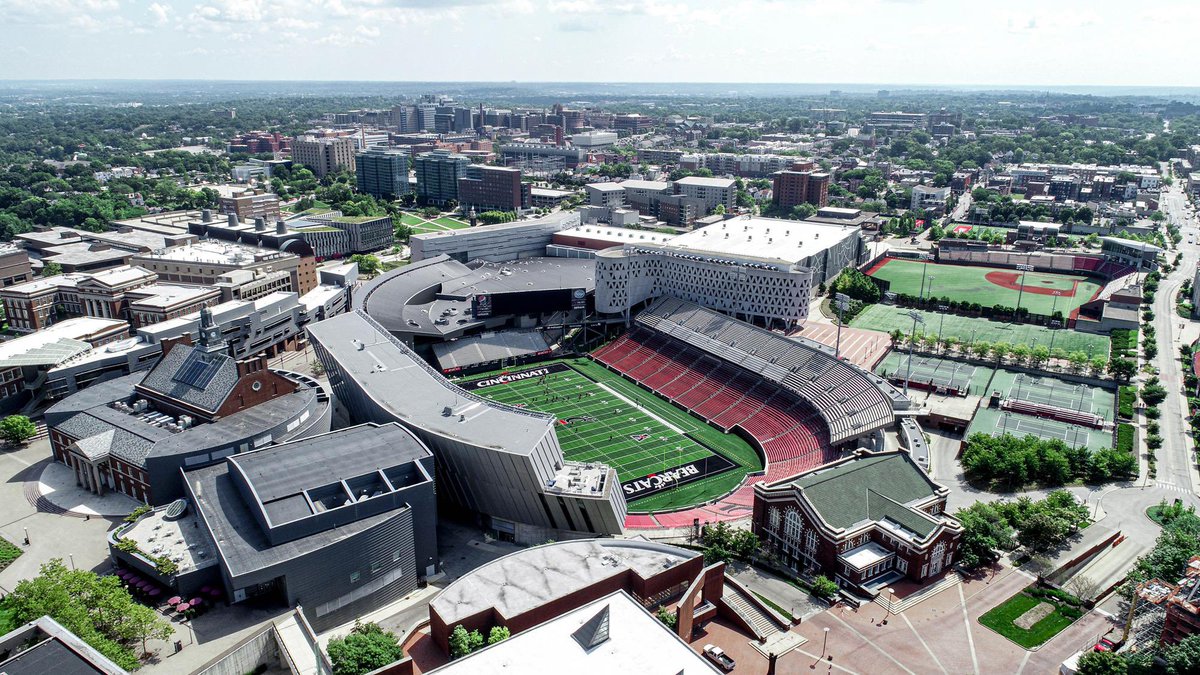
{"x": 196, "y": 371}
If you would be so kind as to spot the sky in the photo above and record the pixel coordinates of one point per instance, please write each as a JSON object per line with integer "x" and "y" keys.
{"x": 948, "y": 42}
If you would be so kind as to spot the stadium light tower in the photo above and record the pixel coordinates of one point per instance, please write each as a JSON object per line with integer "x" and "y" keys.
{"x": 1054, "y": 323}
{"x": 842, "y": 302}
{"x": 1023, "y": 268}
{"x": 916, "y": 317}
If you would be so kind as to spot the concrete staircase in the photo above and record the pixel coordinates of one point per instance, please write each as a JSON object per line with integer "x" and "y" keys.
{"x": 948, "y": 580}
{"x": 761, "y": 622}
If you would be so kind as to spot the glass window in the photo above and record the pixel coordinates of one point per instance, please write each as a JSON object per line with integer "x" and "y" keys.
{"x": 354, "y": 576}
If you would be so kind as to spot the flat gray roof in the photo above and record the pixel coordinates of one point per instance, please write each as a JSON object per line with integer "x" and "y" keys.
{"x": 400, "y": 382}
{"x": 528, "y": 579}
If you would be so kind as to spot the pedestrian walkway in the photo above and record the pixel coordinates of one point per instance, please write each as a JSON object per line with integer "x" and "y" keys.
{"x": 55, "y": 491}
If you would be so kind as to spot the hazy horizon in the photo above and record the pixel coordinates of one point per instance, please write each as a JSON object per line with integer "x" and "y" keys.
{"x": 1022, "y": 44}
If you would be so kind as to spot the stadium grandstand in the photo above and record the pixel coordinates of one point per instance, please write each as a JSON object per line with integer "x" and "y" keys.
{"x": 480, "y": 352}
{"x": 796, "y": 401}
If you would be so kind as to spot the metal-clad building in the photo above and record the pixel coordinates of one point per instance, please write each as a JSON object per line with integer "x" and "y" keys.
{"x": 340, "y": 524}
{"x": 503, "y": 464}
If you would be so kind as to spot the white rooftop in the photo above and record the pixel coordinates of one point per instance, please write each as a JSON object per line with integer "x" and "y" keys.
{"x": 55, "y": 343}
{"x": 121, "y": 275}
{"x": 209, "y": 252}
{"x": 645, "y": 185}
{"x": 866, "y": 555}
{"x": 43, "y": 283}
{"x": 165, "y": 295}
{"x": 764, "y": 238}
{"x": 618, "y": 235}
{"x": 606, "y": 187}
{"x": 706, "y": 182}
{"x": 636, "y": 643}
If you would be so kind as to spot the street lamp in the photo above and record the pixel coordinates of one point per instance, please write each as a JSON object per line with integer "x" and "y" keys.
{"x": 891, "y": 600}
{"x": 916, "y": 317}
{"x": 825, "y": 642}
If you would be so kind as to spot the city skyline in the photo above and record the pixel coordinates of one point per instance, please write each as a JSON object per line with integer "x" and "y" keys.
{"x": 878, "y": 41}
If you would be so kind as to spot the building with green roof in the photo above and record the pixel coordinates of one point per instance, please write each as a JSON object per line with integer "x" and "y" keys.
{"x": 866, "y": 521}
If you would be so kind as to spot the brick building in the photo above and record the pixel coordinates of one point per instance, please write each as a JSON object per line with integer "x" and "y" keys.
{"x": 247, "y": 204}
{"x": 493, "y": 188}
{"x": 324, "y": 155}
{"x": 797, "y": 186}
{"x": 865, "y": 521}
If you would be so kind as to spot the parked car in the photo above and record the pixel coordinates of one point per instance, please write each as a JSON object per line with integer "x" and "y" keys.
{"x": 719, "y": 657}
{"x": 1105, "y": 645}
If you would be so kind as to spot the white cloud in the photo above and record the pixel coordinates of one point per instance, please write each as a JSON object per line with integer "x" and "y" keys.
{"x": 161, "y": 13}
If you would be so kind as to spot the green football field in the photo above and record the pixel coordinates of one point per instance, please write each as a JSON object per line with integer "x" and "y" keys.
{"x": 886, "y": 318}
{"x": 988, "y": 285}
{"x": 611, "y": 420}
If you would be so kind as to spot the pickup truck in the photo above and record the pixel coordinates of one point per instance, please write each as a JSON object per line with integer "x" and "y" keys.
{"x": 718, "y": 656}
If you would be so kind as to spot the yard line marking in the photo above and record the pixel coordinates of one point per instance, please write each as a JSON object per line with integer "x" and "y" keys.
{"x": 967, "y": 620}
{"x": 923, "y": 644}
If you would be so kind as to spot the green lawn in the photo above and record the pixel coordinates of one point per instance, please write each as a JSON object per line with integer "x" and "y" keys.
{"x": 601, "y": 427}
{"x": 8, "y": 553}
{"x": 886, "y": 318}
{"x": 410, "y": 220}
{"x": 1000, "y": 619}
{"x": 967, "y": 282}
{"x": 452, "y": 223}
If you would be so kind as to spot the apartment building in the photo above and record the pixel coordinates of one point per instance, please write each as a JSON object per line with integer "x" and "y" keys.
{"x": 794, "y": 187}
{"x": 249, "y": 204}
{"x": 711, "y": 192}
{"x": 493, "y": 188}
{"x": 324, "y": 155}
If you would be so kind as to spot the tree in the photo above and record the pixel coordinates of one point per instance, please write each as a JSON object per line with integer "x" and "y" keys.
{"x": 97, "y": 609}
{"x": 1041, "y": 531}
{"x": 463, "y": 643}
{"x": 16, "y": 429}
{"x": 367, "y": 647}
{"x": 51, "y": 269}
{"x": 1122, "y": 368}
{"x": 368, "y": 265}
{"x": 670, "y": 619}
{"x": 498, "y": 634}
{"x": 1101, "y": 663}
{"x": 1183, "y": 658}
{"x": 824, "y": 587}
{"x": 985, "y": 531}
{"x": 719, "y": 210}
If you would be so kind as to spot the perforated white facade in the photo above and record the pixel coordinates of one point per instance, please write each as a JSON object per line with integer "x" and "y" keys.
{"x": 747, "y": 289}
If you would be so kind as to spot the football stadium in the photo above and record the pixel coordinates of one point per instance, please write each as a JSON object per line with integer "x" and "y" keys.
{"x": 662, "y": 412}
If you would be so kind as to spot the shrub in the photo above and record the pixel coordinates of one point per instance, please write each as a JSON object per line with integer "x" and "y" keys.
{"x": 1125, "y": 437}
{"x": 1126, "y": 396}
{"x": 824, "y": 587}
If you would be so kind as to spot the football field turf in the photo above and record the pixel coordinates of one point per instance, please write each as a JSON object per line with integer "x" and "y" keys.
{"x": 989, "y": 286}
{"x": 604, "y": 418}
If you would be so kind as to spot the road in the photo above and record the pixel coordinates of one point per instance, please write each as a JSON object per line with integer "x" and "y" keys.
{"x": 1175, "y": 457}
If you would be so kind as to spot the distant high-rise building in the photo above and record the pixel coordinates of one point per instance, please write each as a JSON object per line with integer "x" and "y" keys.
{"x": 324, "y": 155}
{"x": 493, "y": 188}
{"x": 382, "y": 172}
{"x": 437, "y": 175}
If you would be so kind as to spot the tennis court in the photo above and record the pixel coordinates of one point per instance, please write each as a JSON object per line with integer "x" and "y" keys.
{"x": 626, "y": 430}
{"x": 934, "y": 373}
{"x": 1039, "y": 292}
{"x": 1054, "y": 392}
{"x": 999, "y": 422}
{"x": 887, "y": 318}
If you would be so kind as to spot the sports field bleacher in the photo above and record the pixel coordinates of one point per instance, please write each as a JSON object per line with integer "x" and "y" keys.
{"x": 793, "y": 434}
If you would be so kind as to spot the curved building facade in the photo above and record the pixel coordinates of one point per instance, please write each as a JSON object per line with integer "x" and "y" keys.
{"x": 501, "y": 463}
{"x": 628, "y": 276}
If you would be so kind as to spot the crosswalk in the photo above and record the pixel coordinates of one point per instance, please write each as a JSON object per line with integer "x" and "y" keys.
{"x": 1171, "y": 487}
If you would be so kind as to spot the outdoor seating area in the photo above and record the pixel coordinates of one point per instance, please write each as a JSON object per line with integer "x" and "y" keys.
{"x": 154, "y": 594}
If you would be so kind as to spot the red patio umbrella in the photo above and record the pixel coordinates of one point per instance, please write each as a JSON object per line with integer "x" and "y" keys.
{"x": 182, "y": 607}
{"x": 206, "y": 589}
{"x": 196, "y": 602}
{"x": 215, "y": 593}
{"x": 155, "y": 592}
{"x": 174, "y": 600}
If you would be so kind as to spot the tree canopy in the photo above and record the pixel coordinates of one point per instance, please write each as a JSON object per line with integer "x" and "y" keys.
{"x": 366, "y": 648}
